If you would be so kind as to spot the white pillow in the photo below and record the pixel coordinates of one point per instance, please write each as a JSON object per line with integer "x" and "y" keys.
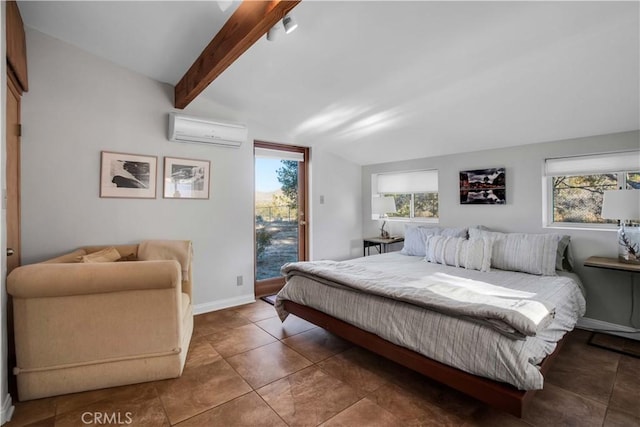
{"x": 415, "y": 239}
{"x": 529, "y": 253}
{"x": 474, "y": 254}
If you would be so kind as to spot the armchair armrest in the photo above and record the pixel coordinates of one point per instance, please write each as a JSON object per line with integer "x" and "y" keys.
{"x": 56, "y": 280}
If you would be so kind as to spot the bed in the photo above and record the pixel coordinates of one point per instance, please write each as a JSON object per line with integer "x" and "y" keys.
{"x": 497, "y": 363}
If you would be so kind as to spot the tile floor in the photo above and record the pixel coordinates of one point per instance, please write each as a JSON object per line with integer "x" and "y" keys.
{"x": 245, "y": 368}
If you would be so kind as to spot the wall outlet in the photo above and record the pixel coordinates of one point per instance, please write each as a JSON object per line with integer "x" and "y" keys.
{"x": 239, "y": 281}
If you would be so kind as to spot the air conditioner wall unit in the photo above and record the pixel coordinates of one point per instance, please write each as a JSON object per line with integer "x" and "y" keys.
{"x": 184, "y": 128}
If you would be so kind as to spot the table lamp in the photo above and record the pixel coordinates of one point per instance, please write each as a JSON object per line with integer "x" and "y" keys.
{"x": 624, "y": 206}
{"x": 383, "y": 206}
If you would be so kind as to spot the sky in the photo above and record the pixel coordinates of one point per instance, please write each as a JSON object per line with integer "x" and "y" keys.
{"x": 266, "y": 178}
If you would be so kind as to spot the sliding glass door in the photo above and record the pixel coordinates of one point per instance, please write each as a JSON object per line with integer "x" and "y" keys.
{"x": 280, "y": 212}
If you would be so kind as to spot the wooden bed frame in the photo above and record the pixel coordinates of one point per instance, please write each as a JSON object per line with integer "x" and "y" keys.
{"x": 497, "y": 394}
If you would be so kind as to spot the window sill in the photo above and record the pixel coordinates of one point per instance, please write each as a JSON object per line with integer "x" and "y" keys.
{"x": 424, "y": 220}
{"x": 581, "y": 227}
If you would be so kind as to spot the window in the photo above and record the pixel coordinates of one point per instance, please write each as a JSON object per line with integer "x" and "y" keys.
{"x": 575, "y": 185}
{"x": 415, "y": 193}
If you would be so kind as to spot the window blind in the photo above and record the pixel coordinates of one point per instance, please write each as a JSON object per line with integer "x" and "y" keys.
{"x": 408, "y": 182}
{"x": 627, "y": 161}
{"x": 266, "y": 153}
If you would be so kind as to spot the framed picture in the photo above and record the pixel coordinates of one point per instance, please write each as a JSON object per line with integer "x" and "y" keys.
{"x": 483, "y": 187}
{"x": 128, "y": 175}
{"x": 186, "y": 178}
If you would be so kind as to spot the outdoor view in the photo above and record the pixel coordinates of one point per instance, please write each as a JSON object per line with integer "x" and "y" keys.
{"x": 579, "y": 198}
{"x": 276, "y": 215}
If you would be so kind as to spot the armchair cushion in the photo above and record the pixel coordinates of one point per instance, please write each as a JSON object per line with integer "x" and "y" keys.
{"x": 110, "y": 254}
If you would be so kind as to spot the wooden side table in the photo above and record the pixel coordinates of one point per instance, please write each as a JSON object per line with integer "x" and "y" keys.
{"x": 611, "y": 264}
{"x": 615, "y": 264}
{"x": 381, "y": 244}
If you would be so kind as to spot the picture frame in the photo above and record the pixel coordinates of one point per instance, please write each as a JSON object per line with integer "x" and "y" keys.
{"x": 125, "y": 175}
{"x": 186, "y": 178}
{"x": 483, "y": 187}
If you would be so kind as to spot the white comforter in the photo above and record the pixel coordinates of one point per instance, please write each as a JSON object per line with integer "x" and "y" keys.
{"x": 455, "y": 341}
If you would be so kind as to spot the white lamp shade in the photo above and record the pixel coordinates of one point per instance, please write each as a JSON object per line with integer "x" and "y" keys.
{"x": 383, "y": 205}
{"x": 623, "y": 205}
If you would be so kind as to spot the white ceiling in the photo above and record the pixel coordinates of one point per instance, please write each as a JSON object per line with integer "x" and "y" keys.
{"x": 385, "y": 81}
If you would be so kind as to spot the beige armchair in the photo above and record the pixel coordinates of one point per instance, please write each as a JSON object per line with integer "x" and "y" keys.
{"x": 89, "y": 325}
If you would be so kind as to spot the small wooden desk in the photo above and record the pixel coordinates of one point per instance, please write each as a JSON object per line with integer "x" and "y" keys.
{"x": 611, "y": 264}
{"x": 379, "y": 243}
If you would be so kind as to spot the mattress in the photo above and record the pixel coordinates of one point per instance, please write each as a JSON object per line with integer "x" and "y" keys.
{"x": 458, "y": 342}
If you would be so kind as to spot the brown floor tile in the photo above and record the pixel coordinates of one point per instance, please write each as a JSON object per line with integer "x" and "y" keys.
{"x": 201, "y": 352}
{"x": 267, "y": 363}
{"x": 486, "y": 416}
{"x": 216, "y": 321}
{"x": 256, "y": 311}
{"x": 71, "y": 402}
{"x": 363, "y": 413}
{"x": 248, "y": 410}
{"x": 200, "y": 389}
{"x": 435, "y": 393}
{"x": 238, "y": 340}
{"x": 573, "y": 370}
{"x": 358, "y": 368}
{"x": 414, "y": 408}
{"x": 317, "y": 344}
{"x": 617, "y": 343}
{"x": 308, "y": 397}
{"x": 49, "y": 422}
{"x": 29, "y": 412}
{"x": 143, "y": 409}
{"x": 617, "y": 418}
{"x": 291, "y": 326}
{"x": 626, "y": 390}
{"x": 554, "y": 406}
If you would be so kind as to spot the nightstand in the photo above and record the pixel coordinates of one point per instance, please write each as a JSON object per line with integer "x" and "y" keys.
{"x": 614, "y": 264}
{"x": 380, "y": 243}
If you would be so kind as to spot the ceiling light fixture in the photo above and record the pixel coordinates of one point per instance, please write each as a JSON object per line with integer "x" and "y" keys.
{"x": 289, "y": 23}
{"x": 273, "y": 33}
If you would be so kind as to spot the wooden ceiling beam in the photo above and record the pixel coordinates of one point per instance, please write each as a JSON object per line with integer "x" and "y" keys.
{"x": 250, "y": 21}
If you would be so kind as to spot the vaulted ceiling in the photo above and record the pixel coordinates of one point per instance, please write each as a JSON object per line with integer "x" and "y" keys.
{"x": 381, "y": 81}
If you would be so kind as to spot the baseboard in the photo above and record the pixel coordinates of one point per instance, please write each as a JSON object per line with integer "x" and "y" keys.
{"x": 596, "y": 325}
{"x": 224, "y": 303}
{"x": 6, "y": 412}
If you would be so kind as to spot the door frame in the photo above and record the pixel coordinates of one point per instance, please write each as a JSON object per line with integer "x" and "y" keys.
{"x": 273, "y": 285}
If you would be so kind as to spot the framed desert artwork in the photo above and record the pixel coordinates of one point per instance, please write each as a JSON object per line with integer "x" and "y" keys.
{"x": 128, "y": 175}
{"x": 483, "y": 187}
{"x": 186, "y": 178}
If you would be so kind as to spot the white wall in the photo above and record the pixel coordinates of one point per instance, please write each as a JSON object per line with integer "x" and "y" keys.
{"x": 608, "y": 293}
{"x": 78, "y": 105}
{"x": 336, "y": 207}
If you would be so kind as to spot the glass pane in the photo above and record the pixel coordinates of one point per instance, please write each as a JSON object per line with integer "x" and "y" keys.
{"x": 276, "y": 209}
{"x": 633, "y": 180}
{"x": 579, "y": 198}
{"x": 425, "y": 205}
{"x": 403, "y": 205}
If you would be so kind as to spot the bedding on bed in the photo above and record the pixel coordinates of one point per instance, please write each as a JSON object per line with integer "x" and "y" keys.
{"x": 458, "y": 341}
{"x": 514, "y": 313}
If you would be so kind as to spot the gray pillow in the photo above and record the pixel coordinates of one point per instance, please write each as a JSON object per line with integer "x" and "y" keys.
{"x": 529, "y": 253}
{"x": 415, "y": 239}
